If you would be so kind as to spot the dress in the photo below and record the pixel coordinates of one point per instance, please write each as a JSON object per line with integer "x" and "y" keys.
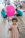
{"x": 14, "y": 32}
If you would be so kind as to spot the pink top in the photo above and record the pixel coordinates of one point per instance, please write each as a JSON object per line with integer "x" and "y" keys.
{"x": 10, "y": 10}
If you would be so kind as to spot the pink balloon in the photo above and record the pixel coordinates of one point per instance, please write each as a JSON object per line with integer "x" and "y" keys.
{"x": 10, "y": 10}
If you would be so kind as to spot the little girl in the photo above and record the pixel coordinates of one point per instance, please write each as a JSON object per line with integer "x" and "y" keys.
{"x": 14, "y": 29}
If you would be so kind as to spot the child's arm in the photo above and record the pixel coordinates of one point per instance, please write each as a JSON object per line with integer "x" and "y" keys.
{"x": 15, "y": 13}
{"x": 10, "y": 28}
{"x": 18, "y": 29}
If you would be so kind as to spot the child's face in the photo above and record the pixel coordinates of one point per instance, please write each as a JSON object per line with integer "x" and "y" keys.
{"x": 14, "y": 22}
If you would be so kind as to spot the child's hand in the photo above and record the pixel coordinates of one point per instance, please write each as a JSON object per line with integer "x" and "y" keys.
{"x": 16, "y": 12}
{"x": 19, "y": 31}
{"x": 10, "y": 29}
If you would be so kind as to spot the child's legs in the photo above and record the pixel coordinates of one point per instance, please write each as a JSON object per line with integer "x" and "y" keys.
{"x": 9, "y": 18}
{"x": 4, "y": 19}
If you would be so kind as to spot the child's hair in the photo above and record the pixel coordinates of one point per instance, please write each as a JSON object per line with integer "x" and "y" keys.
{"x": 15, "y": 19}
{"x": 16, "y": 9}
{"x": 3, "y": 9}
{"x": 20, "y": 6}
